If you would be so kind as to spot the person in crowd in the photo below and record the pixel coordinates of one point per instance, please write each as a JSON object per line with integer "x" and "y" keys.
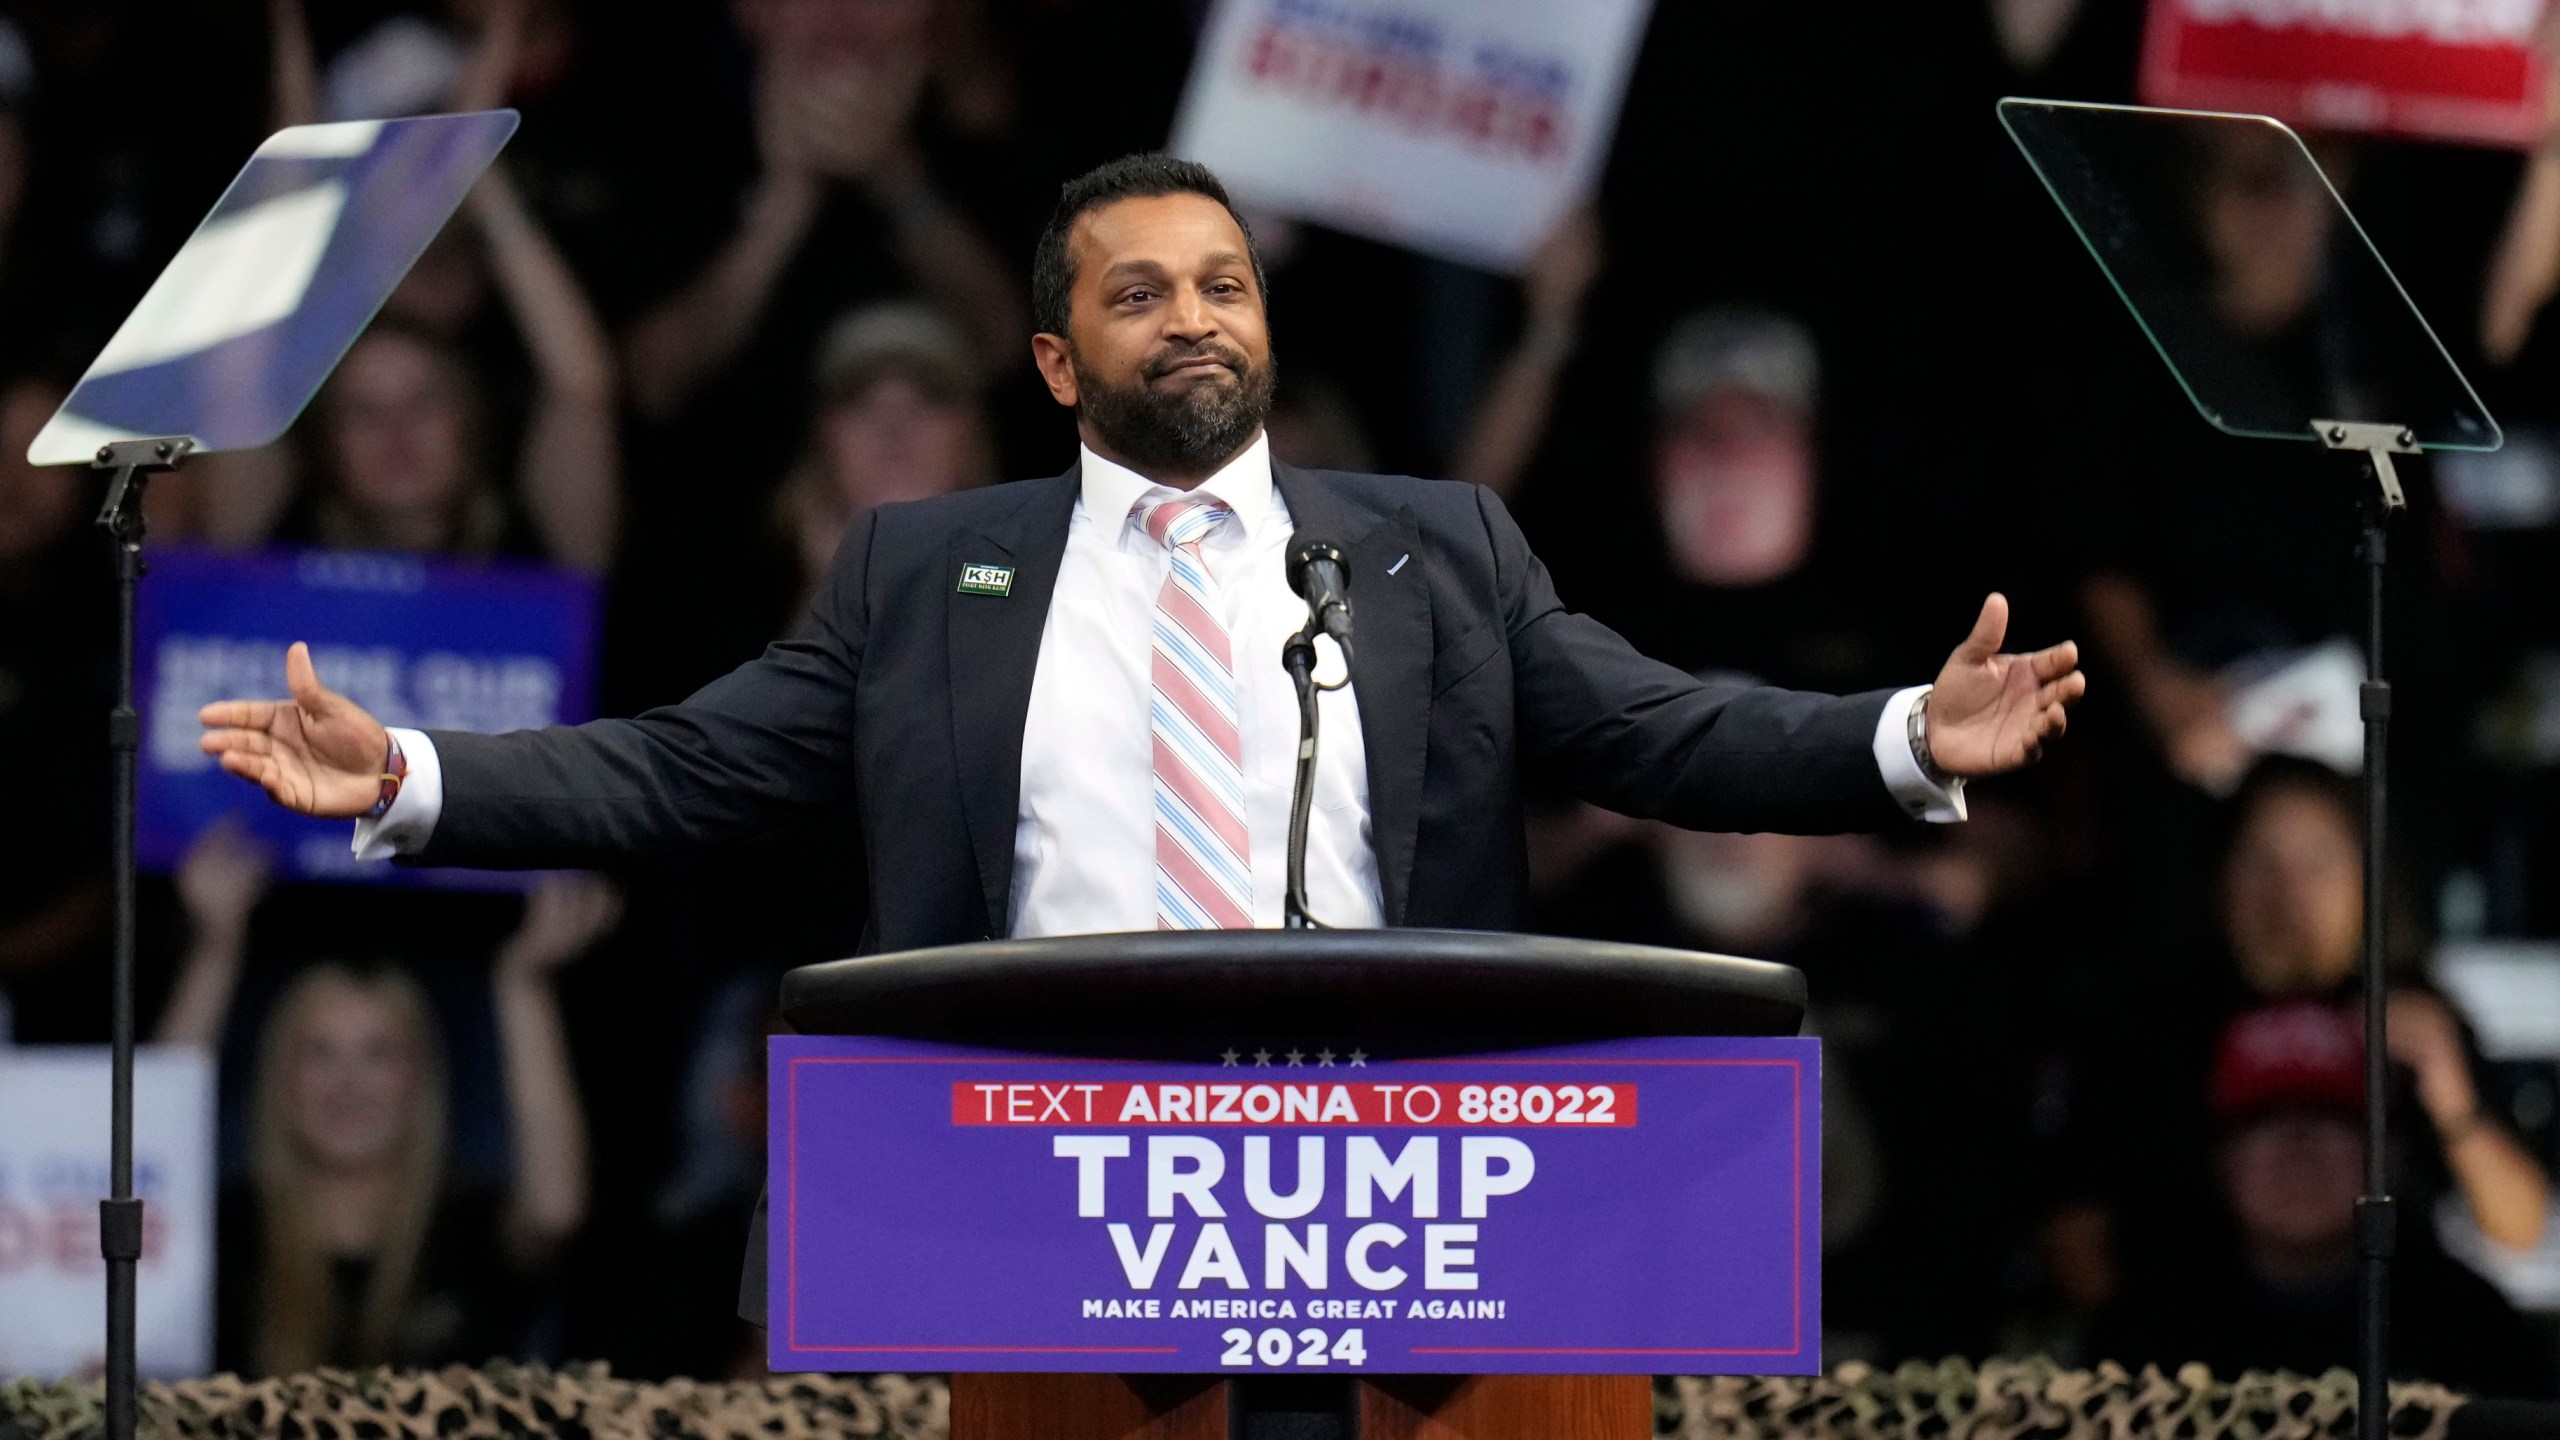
{"x": 350, "y": 1244}
{"x": 405, "y": 454}
{"x": 2291, "y": 903}
{"x": 2524, "y": 271}
{"x": 404, "y": 445}
{"x": 484, "y": 53}
{"x": 2253, "y": 563}
{"x": 1913, "y": 953}
{"x": 2255, "y": 557}
{"x": 836, "y": 94}
{"x": 1736, "y": 571}
{"x": 677, "y": 1313}
{"x": 55, "y": 683}
{"x": 1511, "y": 420}
{"x": 899, "y": 416}
{"x": 2279, "y": 1289}
{"x": 2293, "y": 915}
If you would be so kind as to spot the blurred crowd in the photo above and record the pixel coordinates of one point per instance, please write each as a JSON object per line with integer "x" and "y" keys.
{"x": 1816, "y": 366}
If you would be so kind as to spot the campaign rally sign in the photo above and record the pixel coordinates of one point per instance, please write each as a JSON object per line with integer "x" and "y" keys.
{"x": 53, "y": 1173}
{"x": 438, "y": 644}
{"x": 2433, "y": 69}
{"x": 1463, "y": 128}
{"x": 1631, "y": 1207}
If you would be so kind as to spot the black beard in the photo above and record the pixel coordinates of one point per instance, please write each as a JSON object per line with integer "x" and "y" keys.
{"x": 1189, "y": 431}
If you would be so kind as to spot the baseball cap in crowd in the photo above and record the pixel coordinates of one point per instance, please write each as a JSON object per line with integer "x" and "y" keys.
{"x": 1736, "y": 347}
{"x": 900, "y": 337}
{"x": 2301, "y": 1055}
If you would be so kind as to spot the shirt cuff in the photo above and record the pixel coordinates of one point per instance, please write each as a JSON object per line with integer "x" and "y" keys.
{"x": 403, "y": 829}
{"x": 1911, "y": 788}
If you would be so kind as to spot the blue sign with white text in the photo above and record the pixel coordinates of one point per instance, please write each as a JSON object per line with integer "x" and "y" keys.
{"x": 420, "y": 641}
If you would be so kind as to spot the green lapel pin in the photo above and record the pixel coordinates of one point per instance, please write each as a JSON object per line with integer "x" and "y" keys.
{"x": 986, "y": 579}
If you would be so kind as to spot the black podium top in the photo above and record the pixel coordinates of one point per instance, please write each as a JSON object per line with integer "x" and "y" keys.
{"x": 1177, "y": 994}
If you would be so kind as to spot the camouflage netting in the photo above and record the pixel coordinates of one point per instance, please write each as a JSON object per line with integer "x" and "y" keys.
{"x": 2002, "y": 1400}
{"x": 2033, "y": 1400}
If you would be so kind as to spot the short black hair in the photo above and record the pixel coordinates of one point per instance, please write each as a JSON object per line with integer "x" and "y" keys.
{"x": 1131, "y": 177}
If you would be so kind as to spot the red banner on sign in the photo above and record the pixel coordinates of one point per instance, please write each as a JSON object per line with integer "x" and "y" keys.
{"x": 2462, "y": 70}
{"x": 1366, "y": 1104}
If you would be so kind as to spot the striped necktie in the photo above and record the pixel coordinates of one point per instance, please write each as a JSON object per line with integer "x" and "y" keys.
{"x": 1204, "y": 858}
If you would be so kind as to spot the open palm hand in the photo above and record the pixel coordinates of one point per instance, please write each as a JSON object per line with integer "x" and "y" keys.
{"x": 318, "y": 753}
{"x": 1992, "y": 712}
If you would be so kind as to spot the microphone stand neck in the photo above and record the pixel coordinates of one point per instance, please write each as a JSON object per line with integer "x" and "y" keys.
{"x": 1298, "y": 657}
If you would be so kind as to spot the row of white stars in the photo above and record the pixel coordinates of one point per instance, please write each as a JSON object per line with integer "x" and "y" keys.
{"x": 1357, "y": 1059}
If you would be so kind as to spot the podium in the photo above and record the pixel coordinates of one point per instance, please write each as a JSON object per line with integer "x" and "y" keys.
{"x": 1191, "y": 996}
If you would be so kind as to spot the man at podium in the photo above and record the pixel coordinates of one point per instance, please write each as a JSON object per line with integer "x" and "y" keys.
{"x": 1057, "y": 706}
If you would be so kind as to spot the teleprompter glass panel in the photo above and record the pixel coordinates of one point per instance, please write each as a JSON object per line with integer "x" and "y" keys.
{"x": 259, "y": 305}
{"x": 2254, "y": 282}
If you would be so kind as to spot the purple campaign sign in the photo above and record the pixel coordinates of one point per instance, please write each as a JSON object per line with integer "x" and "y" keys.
{"x": 482, "y": 645}
{"x": 1635, "y": 1207}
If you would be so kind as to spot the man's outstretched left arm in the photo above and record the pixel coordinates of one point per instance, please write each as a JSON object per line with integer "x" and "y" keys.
{"x": 1643, "y": 738}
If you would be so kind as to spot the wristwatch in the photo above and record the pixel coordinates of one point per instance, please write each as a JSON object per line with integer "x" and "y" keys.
{"x": 1938, "y": 774}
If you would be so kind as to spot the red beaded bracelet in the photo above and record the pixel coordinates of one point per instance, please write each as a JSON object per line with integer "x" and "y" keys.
{"x": 395, "y": 769}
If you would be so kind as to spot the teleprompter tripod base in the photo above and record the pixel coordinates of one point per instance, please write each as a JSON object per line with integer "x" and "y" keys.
{"x": 1205, "y": 1407}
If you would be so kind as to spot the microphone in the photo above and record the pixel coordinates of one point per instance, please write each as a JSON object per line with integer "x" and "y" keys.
{"x": 1316, "y": 571}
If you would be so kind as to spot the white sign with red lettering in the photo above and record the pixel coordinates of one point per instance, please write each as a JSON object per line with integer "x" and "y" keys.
{"x": 2436, "y": 69}
{"x": 1462, "y": 128}
{"x": 53, "y": 1172}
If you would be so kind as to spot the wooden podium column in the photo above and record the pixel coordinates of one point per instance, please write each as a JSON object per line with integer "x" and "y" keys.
{"x": 1403, "y": 1407}
{"x": 1088, "y": 1407}
{"x": 1507, "y": 1407}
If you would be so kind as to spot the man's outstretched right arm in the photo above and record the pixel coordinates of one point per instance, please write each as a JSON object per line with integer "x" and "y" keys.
{"x": 773, "y": 738}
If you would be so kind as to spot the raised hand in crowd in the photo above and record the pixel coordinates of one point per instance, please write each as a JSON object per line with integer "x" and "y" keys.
{"x": 220, "y": 881}
{"x": 1993, "y": 712}
{"x": 2188, "y": 710}
{"x": 2030, "y": 31}
{"x": 294, "y": 74}
{"x": 2508, "y": 1194}
{"x": 482, "y": 81}
{"x": 569, "y": 468}
{"x": 838, "y": 120}
{"x": 489, "y": 67}
{"x": 1511, "y": 420}
{"x": 563, "y": 916}
{"x": 318, "y": 753}
{"x": 825, "y": 116}
{"x": 2524, "y": 271}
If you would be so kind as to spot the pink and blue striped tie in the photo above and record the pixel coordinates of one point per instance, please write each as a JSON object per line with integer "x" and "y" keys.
{"x": 1204, "y": 857}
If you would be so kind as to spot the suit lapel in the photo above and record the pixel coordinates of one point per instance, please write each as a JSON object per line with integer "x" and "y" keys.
{"x": 994, "y": 652}
{"x": 1390, "y": 659}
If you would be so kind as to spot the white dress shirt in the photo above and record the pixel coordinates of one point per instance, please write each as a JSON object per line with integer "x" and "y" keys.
{"x": 1084, "y": 849}
{"x": 1084, "y": 836}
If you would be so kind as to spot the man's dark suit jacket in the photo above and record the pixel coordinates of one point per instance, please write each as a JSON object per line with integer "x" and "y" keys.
{"x": 906, "y": 699}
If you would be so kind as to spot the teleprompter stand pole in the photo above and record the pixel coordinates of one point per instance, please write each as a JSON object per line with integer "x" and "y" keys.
{"x": 2376, "y": 1228}
{"x": 128, "y": 465}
